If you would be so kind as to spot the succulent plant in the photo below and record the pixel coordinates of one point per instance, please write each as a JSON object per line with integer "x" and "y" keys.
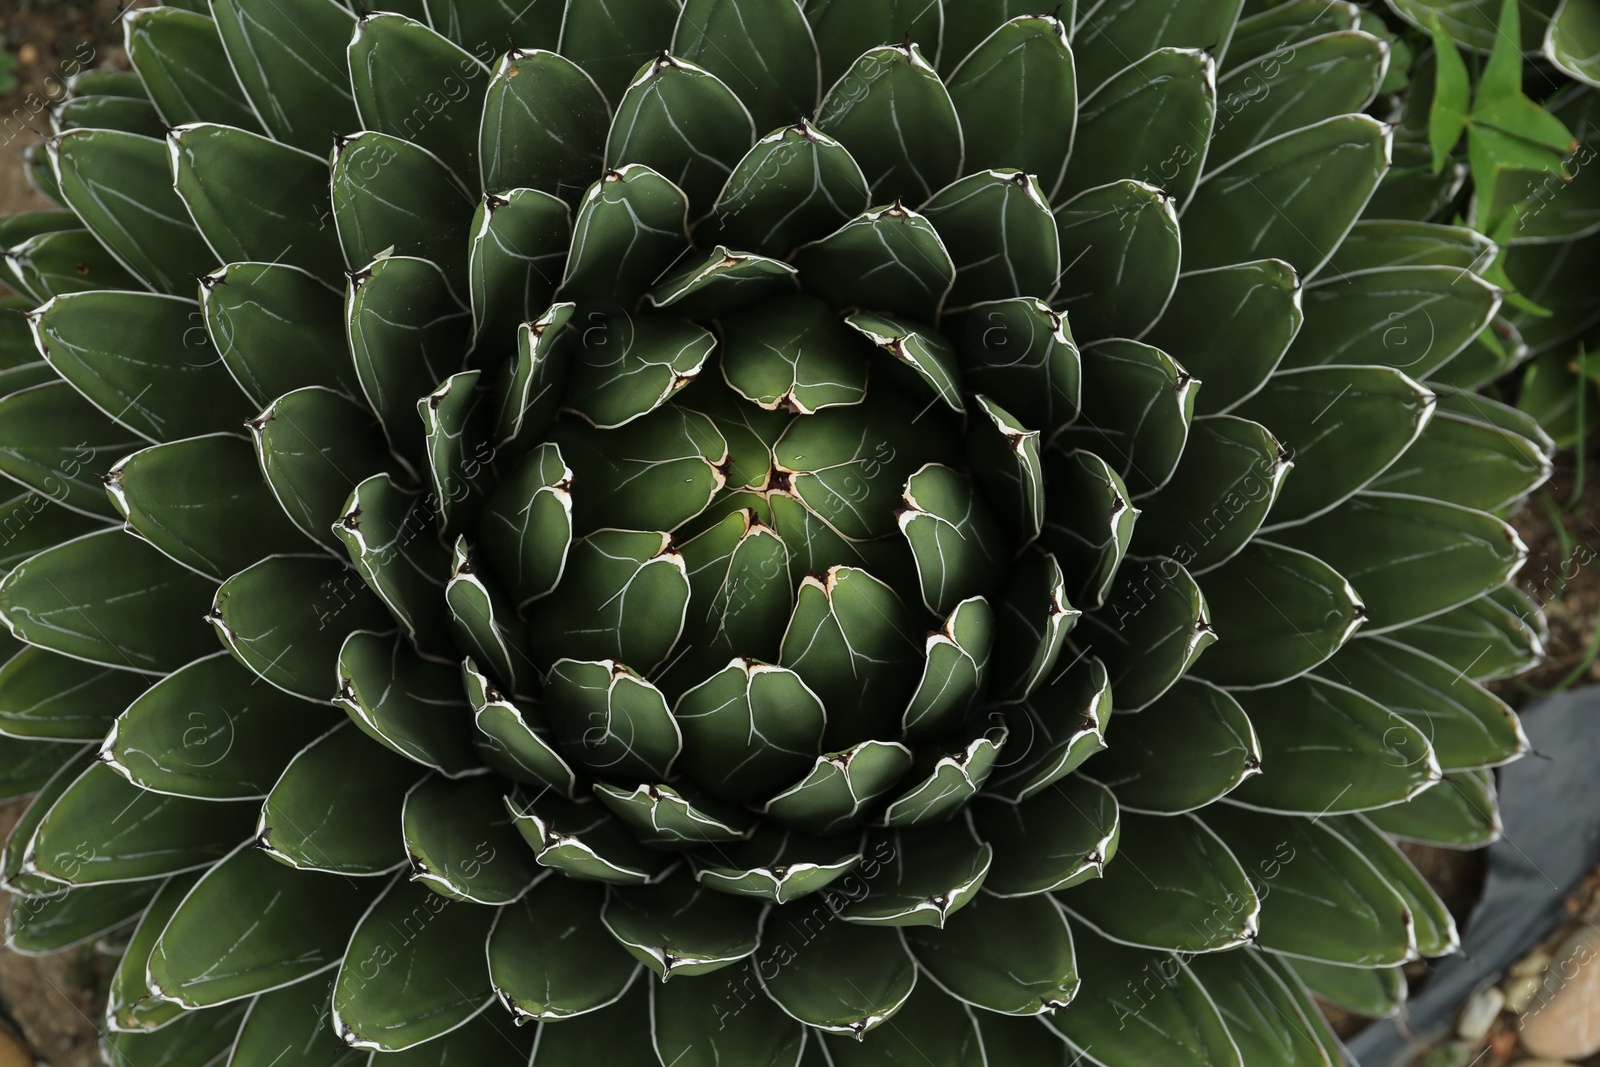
{"x": 682, "y": 497}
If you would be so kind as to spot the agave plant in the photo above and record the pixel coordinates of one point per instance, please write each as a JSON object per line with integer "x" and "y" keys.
{"x": 680, "y": 498}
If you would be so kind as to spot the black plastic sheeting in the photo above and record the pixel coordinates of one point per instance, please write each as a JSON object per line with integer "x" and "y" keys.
{"x": 1550, "y": 803}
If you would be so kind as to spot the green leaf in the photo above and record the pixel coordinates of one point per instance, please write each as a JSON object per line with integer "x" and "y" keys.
{"x": 1104, "y": 44}
{"x": 683, "y": 122}
{"x": 519, "y": 245}
{"x": 32, "y": 524}
{"x": 438, "y": 979}
{"x": 669, "y": 817}
{"x": 632, "y": 224}
{"x": 840, "y": 786}
{"x": 1466, "y": 461}
{"x": 528, "y": 386}
{"x": 48, "y": 697}
{"x": 894, "y": 90}
{"x": 193, "y": 1040}
{"x": 1022, "y": 355}
{"x": 1051, "y": 841}
{"x": 289, "y": 1028}
{"x": 25, "y": 767}
{"x": 933, "y": 872}
{"x": 1292, "y": 198}
{"x": 290, "y": 60}
{"x": 517, "y": 741}
{"x": 1147, "y": 896}
{"x": 585, "y": 841}
{"x": 46, "y": 925}
{"x": 953, "y": 537}
{"x": 277, "y": 328}
{"x": 1376, "y": 992}
{"x": 1088, "y": 523}
{"x": 1007, "y": 206}
{"x": 1024, "y": 68}
{"x": 54, "y": 441}
{"x": 453, "y": 416}
{"x": 1052, "y": 733}
{"x": 748, "y": 726}
{"x": 1279, "y": 612}
{"x": 1233, "y": 325}
{"x": 203, "y": 503}
{"x": 477, "y": 25}
{"x": 1480, "y": 639}
{"x": 692, "y": 1027}
{"x": 1032, "y": 620}
{"x": 1432, "y": 926}
{"x": 94, "y": 599}
{"x": 388, "y": 534}
{"x": 809, "y": 987}
{"x": 889, "y": 259}
{"x": 48, "y": 786}
{"x": 1155, "y": 626}
{"x": 1340, "y": 751}
{"x": 1150, "y": 122}
{"x": 612, "y": 43}
{"x": 130, "y": 1006}
{"x": 412, "y": 705}
{"x": 611, "y": 719}
{"x": 460, "y": 845}
{"x": 944, "y": 780}
{"x": 207, "y": 731}
{"x": 72, "y": 261}
{"x": 251, "y": 925}
{"x": 253, "y": 198}
{"x": 1322, "y": 900}
{"x": 285, "y": 617}
{"x": 1461, "y": 811}
{"x": 955, "y": 671}
{"x": 622, "y": 596}
{"x": 484, "y": 622}
{"x": 526, "y": 525}
{"x": 1573, "y": 42}
{"x": 1004, "y": 455}
{"x": 1264, "y": 1018}
{"x": 179, "y": 57}
{"x": 321, "y": 817}
{"x": 1449, "y": 554}
{"x": 1186, "y": 751}
{"x": 1347, "y": 425}
{"x": 390, "y": 195}
{"x": 626, "y": 366}
{"x": 678, "y": 928}
{"x": 297, "y": 437}
{"x": 546, "y": 131}
{"x": 1127, "y": 229}
{"x": 754, "y": 48}
{"x": 1374, "y": 243}
{"x": 143, "y": 359}
{"x": 793, "y": 353}
{"x": 793, "y": 184}
{"x": 1138, "y": 406}
{"x": 551, "y": 958}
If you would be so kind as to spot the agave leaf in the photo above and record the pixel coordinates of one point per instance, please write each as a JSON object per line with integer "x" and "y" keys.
{"x": 777, "y": 865}
{"x": 1229, "y": 476}
{"x": 202, "y": 502}
{"x": 720, "y": 282}
{"x": 678, "y": 928}
{"x": 294, "y": 438}
{"x": 94, "y": 599}
{"x": 626, "y": 366}
{"x": 1021, "y": 354}
{"x": 1053, "y": 733}
{"x": 1318, "y": 178}
{"x": 22, "y": 226}
{"x": 950, "y": 779}
{"x": 631, "y": 225}
{"x": 180, "y": 59}
{"x": 551, "y": 958}
{"x": 619, "y": 1031}
{"x": 42, "y": 172}
{"x": 1433, "y": 927}
{"x": 840, "y": 786}
{"x": 622, "y": 597}
{"x": 1313, "y": 876}
{"x": 1470, "y": 462}
{"x": 585, "y": 841}
{"x": 1139, "y": 27}
{"x": 612, "y": 43}
{"x": 1088, "y": 522}
{"x": 1138, "y": 406}
{"x": 1186, "y": 751}
{"x": 1480, "y": 639}
{"x": 1005, "y": 457}
{"x": 953, "y": 537}
{"x": 672, "y": 817}
{"x": 288, "y": 1023}
{"x": 390, "y": 195}
{"x": 253, "y": 198}
{"x": 1232, "y": 326}
{"x": 1419, "y": 535}
{"x": 516, "y": 741}
{"x": 794, "y": 183}
{"x": 105, "y": 829}
{"x": 1279, "y": 29}
{"x": 207, "y": 731}
{"x": 529, "y": 386}
{"x": 25, "y": 768}
{"x": 438, "y": 982}
{"x": 752, "y": 48}
{"x": 321, "y": 817}
{"x": 890, "y": 259}
{"x": 1179, "y": 1023}
{"x": 399, "y": 699}
{"x": 194, "y": 1039}
{"x": 1025, "y": 68}
{"x": 48, "y": 787}
{"x": 546, "y": 131}
{"x": 1366, "y": 756}
{"x": 1158, "y": 625}
{"x": 251, "y": 925}
{"x": 1127, "y": 229}
{"x": 1011, "y": 956}
{"x": 954, "y": 672}
{"x": 277, "y": 328}
{"x": 1467, "y": 726}
{"x": 461, "y": 844}
{"x": 407, "y": 331}
{"x": 1336, "y": 73}
{"x": 484, "y": 623}
{"x": 683, "y": 122}
{"x": 757, "y": 1033}
{"x": 930, "y": 1029}
{"x": 519, "y": 243}
{"x": 453, "y": 415}
{"x": 1461, "y": 811}
{"x": 130, "y": 1006}
{"x": 32, "y": 524}
{"x": 1572, "y": 42}
{"x": 931, "y": 873}
{"x": 1005, "y": 205}
{"x": 388, "y": 534}
{"x": 747, "y": 726}
{"x": 1151, "y": 122}
{"x": 51, "y": 698}
{"x": 1375, "y": 243}
{"x": 1280, "y": 612}
{"x": 808, "y": 984}
{"x": 1347, "y": 425}
{"x": 894, "y": 89}
{"x": 739, "y": 572}
{"x": 290, "y": 61}
{"x": 52, "y": 924}
{"x": 1264, "y": 1019}
{"x": 69, "y": 261}
{"x": 526, "y": 525}
{"x": 1376, "y": 992}
{"x": 141, "y": 358}
{"x": 1051, "y": 841}
{"x": 1147, "y": 897}
{"x": 1032, "y": 621}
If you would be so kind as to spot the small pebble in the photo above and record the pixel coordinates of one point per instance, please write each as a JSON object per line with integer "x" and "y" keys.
{"x": 1480, "y": 1014}
{"x": 1521, "y": 992}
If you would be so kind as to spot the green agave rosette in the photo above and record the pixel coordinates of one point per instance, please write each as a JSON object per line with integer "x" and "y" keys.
{"x": 681, "y": 498}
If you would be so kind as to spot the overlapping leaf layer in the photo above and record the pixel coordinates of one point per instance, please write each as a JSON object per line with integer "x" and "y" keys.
{"x": 682, "y": 498}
